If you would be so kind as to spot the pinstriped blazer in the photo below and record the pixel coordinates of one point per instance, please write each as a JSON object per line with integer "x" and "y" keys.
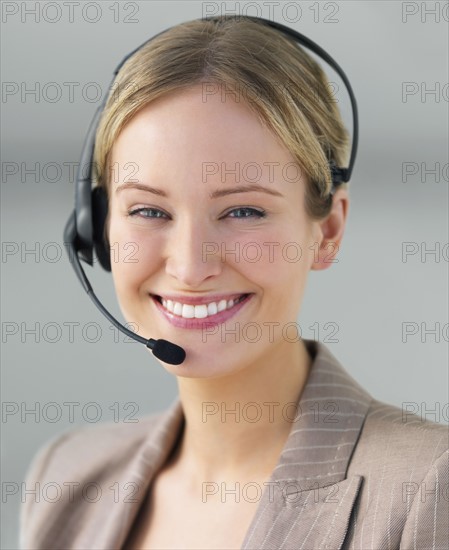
{"x": 355, "y": 473}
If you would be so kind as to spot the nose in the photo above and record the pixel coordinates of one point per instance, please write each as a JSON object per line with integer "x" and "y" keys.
{"x": 192, "y": 254}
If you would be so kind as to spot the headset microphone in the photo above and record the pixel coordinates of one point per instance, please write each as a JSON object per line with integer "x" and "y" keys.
{"x": 84, "y": 230}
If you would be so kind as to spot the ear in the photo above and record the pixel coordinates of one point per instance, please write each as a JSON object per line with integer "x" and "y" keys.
{"x": 331, "y": 230}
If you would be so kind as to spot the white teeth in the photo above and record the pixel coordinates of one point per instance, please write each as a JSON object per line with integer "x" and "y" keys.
{"x": 202, "y": 311}
{"x": 188, "y": 311}
{"x": 212, "y": 308}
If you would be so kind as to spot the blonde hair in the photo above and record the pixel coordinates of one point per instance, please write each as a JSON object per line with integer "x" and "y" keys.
{"x": 287, "y": 89}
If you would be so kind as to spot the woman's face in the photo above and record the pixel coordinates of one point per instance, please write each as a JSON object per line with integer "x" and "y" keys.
{"x": 195, "y": 236}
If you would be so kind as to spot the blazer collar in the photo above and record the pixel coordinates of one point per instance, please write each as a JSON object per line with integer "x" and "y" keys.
{"x": 308, "y": 499}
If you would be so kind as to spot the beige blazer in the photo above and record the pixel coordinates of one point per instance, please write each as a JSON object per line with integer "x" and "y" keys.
{"x": 354, "y": 473}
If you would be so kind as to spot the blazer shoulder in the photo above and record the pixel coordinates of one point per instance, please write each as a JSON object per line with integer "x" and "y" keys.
{"x": 404, "y": 423}
{"x": 90, "y": 445}
{"x": 400, "y": 440}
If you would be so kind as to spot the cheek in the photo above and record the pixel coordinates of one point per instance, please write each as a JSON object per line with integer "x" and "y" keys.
{"x": 278, "y": 264}
{"x": 280, "y": 255}
{"x": 134, "y": 255}
{"x": 285, "y": 268}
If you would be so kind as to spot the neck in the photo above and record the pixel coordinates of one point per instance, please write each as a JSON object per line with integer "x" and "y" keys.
{"x": 236, "y": 426}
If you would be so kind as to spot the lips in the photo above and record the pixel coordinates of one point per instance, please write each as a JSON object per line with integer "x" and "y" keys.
{"x": 200, "y": 323}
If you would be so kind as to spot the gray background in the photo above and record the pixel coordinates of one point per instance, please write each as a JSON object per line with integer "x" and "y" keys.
{"x": 370, "y": 293}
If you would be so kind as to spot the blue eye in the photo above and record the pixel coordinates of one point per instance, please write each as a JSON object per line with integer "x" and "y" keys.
{"x": 145, "y": 211}
{"x": 255, "y": 213}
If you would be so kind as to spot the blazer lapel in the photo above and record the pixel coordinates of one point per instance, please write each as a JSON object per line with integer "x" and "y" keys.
{"x": 121, "y": 504}
{"x": 307, "y": 501}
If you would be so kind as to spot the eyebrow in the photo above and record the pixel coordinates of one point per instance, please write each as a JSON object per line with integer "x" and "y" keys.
{"x": 213, "y": 195}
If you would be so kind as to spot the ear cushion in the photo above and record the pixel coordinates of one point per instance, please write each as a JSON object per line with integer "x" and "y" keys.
{"x": 99, "y": 215}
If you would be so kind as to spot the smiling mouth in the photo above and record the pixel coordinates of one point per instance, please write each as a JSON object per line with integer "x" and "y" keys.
{"x": 201, "y": 311}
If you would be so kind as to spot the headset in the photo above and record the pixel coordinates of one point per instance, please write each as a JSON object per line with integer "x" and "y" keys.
{"x": 84, "y": 230}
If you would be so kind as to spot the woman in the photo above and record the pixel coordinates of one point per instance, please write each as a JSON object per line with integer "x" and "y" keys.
{"x": 214, "y": 151}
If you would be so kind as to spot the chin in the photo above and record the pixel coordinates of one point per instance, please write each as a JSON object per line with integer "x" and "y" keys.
{"x": 202, "y": 363}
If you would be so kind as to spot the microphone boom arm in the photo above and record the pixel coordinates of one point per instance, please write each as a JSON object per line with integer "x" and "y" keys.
{"x": 164, "y": 350}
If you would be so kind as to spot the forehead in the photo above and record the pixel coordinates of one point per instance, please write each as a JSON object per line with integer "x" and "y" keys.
{"x": 200, "y": 132}
{"x": 211, "y": 113}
